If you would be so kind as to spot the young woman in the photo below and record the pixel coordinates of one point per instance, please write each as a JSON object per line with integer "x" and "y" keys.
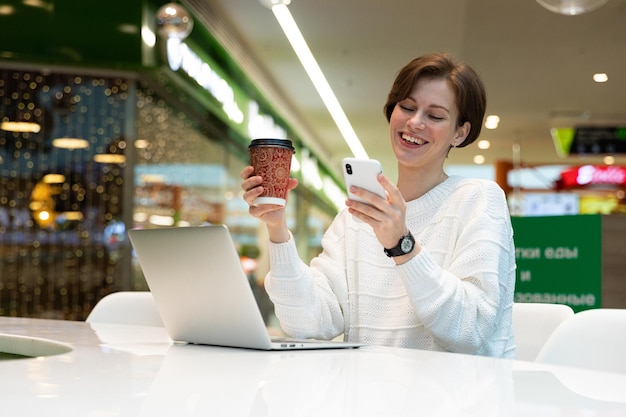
{"x": 432, "y": 265}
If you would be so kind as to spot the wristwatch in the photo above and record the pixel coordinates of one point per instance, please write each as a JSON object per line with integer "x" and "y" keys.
{"x": 405, "y": 245}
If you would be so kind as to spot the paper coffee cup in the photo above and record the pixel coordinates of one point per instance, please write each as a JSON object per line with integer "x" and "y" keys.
{"x": 271, "y": 159}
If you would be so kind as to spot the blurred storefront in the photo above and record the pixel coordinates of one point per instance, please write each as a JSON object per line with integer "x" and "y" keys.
{"x": 106, "y": 126}
{"x": 563, "y": 190}
{"x": 569, "y": 226}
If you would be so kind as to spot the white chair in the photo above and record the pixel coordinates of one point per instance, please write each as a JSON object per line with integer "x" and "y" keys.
{"x": 592, "y": 339}
{"x": 533, "y": 323}
{"x": 126, "y": 307}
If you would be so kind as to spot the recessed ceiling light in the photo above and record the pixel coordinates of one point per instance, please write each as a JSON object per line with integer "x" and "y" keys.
{"x": 484, "y": 144}
{"x": 492, "y": 121}
{"x": 600, "y": 77}
{"x": 479, "y": 159}
{"x": 571, "y": 7}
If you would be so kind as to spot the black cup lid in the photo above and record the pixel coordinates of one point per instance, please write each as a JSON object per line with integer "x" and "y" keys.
{"x": 283, "y": 143}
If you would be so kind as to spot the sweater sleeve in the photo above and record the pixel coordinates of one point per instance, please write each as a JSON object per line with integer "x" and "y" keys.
{"x": 303, "y": 297}
{"x": 460, "y": 304}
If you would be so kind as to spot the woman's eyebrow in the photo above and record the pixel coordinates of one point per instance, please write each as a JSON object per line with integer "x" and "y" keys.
{"x": 439, "y": 106}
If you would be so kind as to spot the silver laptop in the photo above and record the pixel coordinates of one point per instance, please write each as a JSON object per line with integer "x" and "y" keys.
{"x": 202, "y": 292}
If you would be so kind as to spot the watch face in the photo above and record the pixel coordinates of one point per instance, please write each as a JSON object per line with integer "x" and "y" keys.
{"x": 407, "y": 245}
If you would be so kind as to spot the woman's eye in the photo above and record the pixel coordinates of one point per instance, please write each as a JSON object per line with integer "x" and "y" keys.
{"x": 405, "y": 108}
{"x": 436, "y": 117}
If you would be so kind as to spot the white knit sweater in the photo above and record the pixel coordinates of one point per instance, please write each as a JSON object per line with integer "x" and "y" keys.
{"x": 455, "y": 295}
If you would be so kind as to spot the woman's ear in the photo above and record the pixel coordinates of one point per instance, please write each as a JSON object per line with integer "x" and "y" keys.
{"x": 461, "y": 133}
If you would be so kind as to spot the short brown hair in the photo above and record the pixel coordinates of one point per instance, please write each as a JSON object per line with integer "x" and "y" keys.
{"x": 471, "y": 99}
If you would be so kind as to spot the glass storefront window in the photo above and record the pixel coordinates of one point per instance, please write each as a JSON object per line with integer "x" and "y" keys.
{"x": 105, "y": 153}
{"x": 180, "y": 175}
{"x": 61, "y": 198}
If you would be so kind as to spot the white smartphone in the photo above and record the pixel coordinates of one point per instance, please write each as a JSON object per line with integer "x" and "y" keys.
{"x": 362, "y": 173}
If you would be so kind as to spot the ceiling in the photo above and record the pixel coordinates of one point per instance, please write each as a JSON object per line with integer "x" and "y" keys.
{"x": 537, "y": 66}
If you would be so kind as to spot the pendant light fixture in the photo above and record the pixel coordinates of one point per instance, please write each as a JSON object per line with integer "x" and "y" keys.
{"x": 174, "y": 21}
{"x": 114, "y": 153}
{"x": 19, "y": 110}
{"x": 20, "y": 126}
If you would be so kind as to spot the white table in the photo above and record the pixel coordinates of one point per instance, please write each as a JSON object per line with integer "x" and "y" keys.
{"x": 116, "y": 370}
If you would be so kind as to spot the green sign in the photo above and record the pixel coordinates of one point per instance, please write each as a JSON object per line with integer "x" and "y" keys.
{"x": 559, "y": 260}
{"x": 583, "y": 140}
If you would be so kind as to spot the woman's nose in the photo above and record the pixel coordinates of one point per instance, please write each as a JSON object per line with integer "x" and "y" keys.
{"x": 416, "y": 122}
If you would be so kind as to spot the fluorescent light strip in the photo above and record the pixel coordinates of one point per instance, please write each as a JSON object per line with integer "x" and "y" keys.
{"x": 299, "y": 45}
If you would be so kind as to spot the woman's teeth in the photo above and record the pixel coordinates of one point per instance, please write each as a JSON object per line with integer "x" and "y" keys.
{"x": 411, "y": 139}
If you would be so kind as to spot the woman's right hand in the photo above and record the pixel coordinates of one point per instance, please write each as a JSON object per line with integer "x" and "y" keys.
{"x": 272, "y": 215}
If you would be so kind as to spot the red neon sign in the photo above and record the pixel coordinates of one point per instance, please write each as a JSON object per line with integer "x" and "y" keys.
{"x": 591, "y": 174}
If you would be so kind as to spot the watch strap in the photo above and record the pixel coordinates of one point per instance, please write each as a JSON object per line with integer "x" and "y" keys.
{"x": 405, "y": 245}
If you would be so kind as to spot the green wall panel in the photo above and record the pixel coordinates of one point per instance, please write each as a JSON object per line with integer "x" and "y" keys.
{"x": 95, "y": 32}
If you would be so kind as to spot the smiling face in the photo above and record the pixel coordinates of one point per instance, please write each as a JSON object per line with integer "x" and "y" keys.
{"x": 423, "y": 126}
